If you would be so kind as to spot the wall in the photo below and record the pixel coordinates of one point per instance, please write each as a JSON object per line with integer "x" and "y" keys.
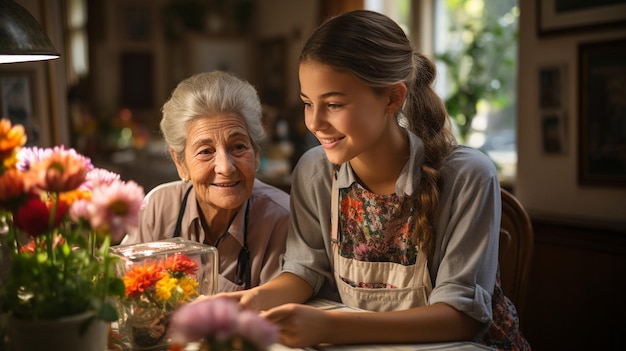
{"x": 547, "y": 184}
{"x": 579, "y": 261}
{"x": 293, "y": 20}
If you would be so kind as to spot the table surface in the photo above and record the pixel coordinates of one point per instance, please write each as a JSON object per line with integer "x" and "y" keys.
{"x": 331, "y": 305}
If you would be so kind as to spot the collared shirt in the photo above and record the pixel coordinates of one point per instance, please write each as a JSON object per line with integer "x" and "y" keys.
{"x": 267, "y": 228}
{"x": 464, "y": 264}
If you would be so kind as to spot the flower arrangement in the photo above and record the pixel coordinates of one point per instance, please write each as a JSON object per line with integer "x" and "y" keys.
{"x": 219, "y": 324}
{"x": 154, "y": 289}
{"x": 58, "y": 217}
{"x": 162, "y": 284}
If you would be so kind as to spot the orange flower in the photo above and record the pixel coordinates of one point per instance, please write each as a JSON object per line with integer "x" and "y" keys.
{"x": 11, "y": 137}
{"x": 30, "y": 247}
{"x": 11, "y": 186}
{"x": 180, "y": 263}
{"x": 141, "y": 278}
{"x": 72, "y": 196}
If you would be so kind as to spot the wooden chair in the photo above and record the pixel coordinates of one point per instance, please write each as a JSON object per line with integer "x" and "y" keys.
{"x": 516, "y": 250}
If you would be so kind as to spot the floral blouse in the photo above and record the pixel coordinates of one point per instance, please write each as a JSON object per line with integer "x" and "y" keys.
{"x": 370, "y": 230}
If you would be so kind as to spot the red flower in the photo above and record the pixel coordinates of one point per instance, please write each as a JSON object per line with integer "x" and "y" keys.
{"x": 33, "y": 216}
{"x": 180, "y": 263}
{"x": 30, "y": 248}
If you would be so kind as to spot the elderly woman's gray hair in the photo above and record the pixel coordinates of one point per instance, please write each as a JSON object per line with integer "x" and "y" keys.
{"x": 204, "y": 95}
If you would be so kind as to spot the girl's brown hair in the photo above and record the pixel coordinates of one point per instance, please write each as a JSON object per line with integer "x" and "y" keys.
{"x": 373, "y": 48}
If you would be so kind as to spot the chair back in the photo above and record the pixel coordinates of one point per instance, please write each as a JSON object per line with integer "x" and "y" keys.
{"x": 516, "y": 250}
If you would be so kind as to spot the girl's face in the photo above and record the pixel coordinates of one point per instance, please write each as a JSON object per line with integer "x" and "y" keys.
{"x": 345, "y": 115}
{"x": 220, "y": 162}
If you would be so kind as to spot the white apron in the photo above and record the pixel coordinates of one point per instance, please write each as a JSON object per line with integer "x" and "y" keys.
{"x": 412, "y": 282}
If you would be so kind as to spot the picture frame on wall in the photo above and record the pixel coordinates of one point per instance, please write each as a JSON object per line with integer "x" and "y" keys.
{"x": 565, "y": 16}
{"x": 552, "y": 107}
{"x": 17, "y": 103}
{"x": 602, "y": 113}
{"x": 553, "y": 133}
{"x": 551, "y": 84}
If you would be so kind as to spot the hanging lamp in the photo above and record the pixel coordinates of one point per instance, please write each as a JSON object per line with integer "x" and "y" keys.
{"x": 22, "y": 38}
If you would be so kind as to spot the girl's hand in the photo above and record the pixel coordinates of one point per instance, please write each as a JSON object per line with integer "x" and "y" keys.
{"x": 299, "y": 325}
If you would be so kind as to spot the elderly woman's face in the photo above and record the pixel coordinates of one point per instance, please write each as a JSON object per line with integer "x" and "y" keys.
{"x": 220, "y": 161}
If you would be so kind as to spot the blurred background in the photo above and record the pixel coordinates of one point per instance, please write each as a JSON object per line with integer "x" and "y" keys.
{"x": 514, "y": 75}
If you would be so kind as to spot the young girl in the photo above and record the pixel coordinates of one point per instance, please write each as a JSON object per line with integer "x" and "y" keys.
{"x": 388, "y": 214}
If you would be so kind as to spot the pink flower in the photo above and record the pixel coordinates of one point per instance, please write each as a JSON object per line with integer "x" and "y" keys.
{"x": 115, "y": 207}
{"x": 99, "y": 177}
{"x": 60, "y": 169}
{"x": 213, "y": 317}
{"x": 80, "y": 211}
{"x": 28, "y": 155}
{"x": 257, "y": 330}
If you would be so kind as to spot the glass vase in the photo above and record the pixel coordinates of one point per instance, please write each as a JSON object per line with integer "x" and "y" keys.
{"x": 161, "y": 276}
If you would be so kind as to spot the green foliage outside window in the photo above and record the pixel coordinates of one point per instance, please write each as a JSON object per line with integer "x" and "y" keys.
{"x": 481, "y": 60}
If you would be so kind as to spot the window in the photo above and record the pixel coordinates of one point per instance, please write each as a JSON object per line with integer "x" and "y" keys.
{"x": 77, "y": 40}
{"x": 474, "y": 44}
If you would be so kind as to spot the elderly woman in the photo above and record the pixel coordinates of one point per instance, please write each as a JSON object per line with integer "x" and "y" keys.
{"x": 212, "y": 126}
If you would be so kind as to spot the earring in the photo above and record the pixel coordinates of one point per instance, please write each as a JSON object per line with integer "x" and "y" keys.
{"x": 184, "y": 179}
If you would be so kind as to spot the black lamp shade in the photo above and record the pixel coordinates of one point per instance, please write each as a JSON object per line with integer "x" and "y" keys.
{"x": 21, "y": 37}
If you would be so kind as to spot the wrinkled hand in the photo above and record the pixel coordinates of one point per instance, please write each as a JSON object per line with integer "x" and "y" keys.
{"x": 299, "y": 325}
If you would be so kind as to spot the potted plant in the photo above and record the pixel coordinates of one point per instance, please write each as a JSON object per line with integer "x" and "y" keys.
{"x": 58, "y": 215}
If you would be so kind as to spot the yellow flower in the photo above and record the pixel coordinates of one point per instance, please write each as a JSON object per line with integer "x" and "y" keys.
{"x": 189, "y": 287}
{"x": 72, "y": 196}
{"x": 11, "y": 139}
{"x": 164, "y": 287}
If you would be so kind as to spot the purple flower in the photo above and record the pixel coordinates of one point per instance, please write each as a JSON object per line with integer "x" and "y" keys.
{"x": 220, "y": 319}
{"x": 215, "y": 317}
{"x": 257, "y": 330}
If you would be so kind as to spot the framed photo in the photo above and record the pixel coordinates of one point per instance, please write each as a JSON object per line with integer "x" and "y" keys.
{"x": 551, "y": 86}
{"x": 17, "y": 102}
{"x": 552, "y": 107}
{"x": 553, "y": 133}
{"x": 602, "y": 113}
{"x": 561, "y": 16}
{"x": 272, "y": 66}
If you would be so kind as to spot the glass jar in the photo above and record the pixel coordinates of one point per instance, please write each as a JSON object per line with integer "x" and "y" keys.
{"x": 159, "y": 277}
